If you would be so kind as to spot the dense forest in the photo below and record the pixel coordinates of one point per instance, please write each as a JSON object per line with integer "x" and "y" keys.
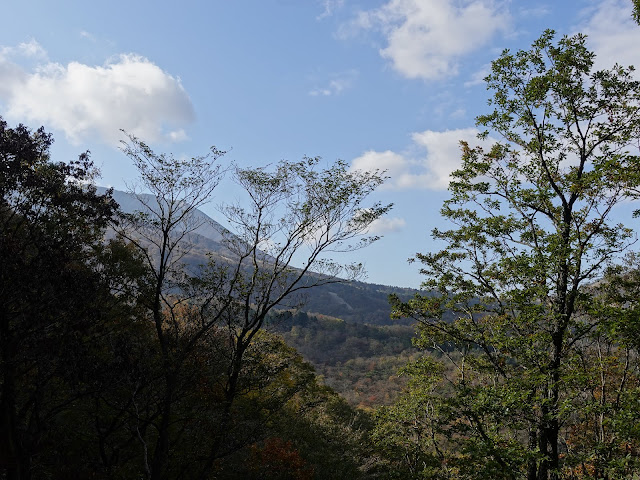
{"x": 123, "y": 357}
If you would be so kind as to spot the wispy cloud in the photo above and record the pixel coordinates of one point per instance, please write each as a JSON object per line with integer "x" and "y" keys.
{"x": 330, "y": 6}
{"x": 86, "y": 35}
{"x": 387, "y": 225}
{"x": 31, "y": 49}
{"x": 427, "y": 39}
{"x": 477, "y": 78}
{"x": 537, "y": 11}
{"x": 128, "y": 92}
{"x": 337, "y": 83}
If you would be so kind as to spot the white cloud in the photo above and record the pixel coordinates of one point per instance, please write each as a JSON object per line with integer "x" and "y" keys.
{"x": 11, "y": 75}
{"x": 537, "y": 11}
{"x": 427, "y": 38}
{"x": 31, "y": 49}
{"x": 86, "y": 35}
{"x": 458, "y": 113}
{"x": 336, "y": 85}
{"x": 394, "y": 164}
{"x": 387, "y": 225}
{"x": 477, "y": 78}
{"x": 320, "y": 92}
{"x": 432, "y": 169}
{"x": 177, "y": 135}
{"x": 330, "y": 6}
{"x": 128, "y": 92}
{"x": 26, "y": 50}
{"x": 612, "y": 34}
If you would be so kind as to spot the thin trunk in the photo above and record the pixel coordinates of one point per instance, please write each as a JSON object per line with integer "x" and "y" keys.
{"x": 543, "y": 445}
{"x": 230, "y": 395}
{"x": 160, "y": 460}
{"x": 532, "y": 467}
{"x": 554, "y": 421}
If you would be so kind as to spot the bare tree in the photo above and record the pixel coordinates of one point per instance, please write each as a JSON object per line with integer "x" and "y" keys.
{"x": 177, "y": 187}
{"x": 294, "y": 214}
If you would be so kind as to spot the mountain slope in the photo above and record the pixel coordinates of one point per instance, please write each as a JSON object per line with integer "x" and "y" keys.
{"x": 357, "y": 302}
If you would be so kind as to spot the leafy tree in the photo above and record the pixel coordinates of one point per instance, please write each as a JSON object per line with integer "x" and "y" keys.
{"x": 533, "y": 226}
{"x": 285, "y": 423}
{"x": 636, "y": 11}
{"x": 405, "y": 433}
{"x": 51, "y": 223}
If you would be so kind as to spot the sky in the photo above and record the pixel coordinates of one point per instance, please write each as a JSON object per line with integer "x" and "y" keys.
{"x": 390, "y": 84}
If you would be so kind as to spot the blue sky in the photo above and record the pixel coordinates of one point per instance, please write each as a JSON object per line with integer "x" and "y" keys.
{"x": 393, "y": 84}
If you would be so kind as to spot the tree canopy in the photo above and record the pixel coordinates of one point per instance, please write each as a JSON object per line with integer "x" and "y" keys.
{"x": 510, "y": 311}
{"x": 51, "y": 253}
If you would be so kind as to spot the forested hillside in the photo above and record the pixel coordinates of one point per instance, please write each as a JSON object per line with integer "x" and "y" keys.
{"x": 358, "y": 361}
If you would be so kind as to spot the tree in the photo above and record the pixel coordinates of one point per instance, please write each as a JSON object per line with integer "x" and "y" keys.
{"x": 508, "y": 312}
{"x": 160, "y": 231}
{"x": 294, "y": 213}
{"x": 51, "y": 227}
{"x": 286, "y": 422}
{"x": 636, "y": 11}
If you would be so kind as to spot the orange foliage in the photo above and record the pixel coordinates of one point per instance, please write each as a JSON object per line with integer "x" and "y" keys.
{"x": 279, "y": 460}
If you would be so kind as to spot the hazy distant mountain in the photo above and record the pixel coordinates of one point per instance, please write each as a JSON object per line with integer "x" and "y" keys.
{"x": 207, "y": 238}
{"x": 358, "y": 302}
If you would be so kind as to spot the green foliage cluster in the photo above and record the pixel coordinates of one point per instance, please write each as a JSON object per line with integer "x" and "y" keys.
{"x": 537, "y": 372}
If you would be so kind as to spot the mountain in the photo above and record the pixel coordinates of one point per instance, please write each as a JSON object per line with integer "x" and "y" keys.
{"x": 357, "y": 302}
{"x": 209, "y": 228}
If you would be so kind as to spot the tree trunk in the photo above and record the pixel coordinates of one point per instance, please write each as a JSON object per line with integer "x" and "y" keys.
{"x": 161, "y": 453}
